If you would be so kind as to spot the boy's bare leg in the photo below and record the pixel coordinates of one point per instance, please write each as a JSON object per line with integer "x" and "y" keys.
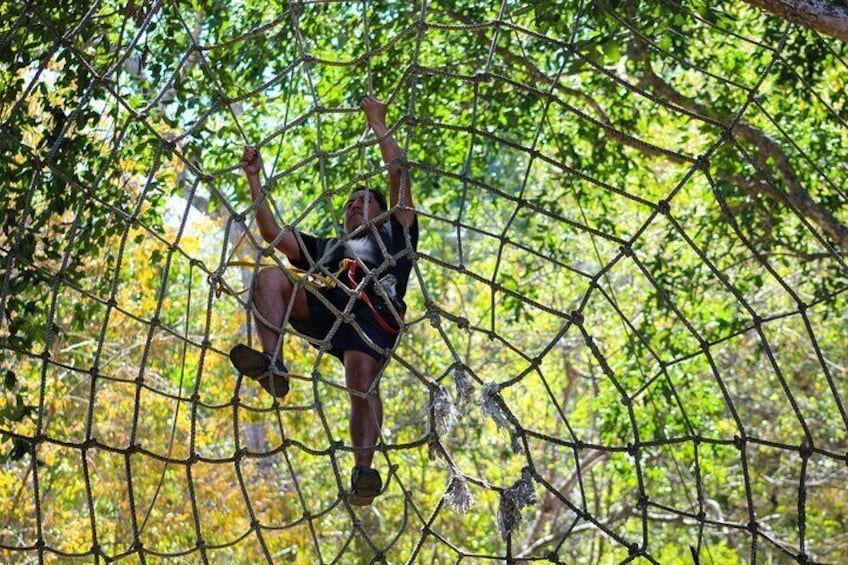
{"x": 272, "y": 294}
{"x": 271, "y": 297}
{"x": 366, "y": 419}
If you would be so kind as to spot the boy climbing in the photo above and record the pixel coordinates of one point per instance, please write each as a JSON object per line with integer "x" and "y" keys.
{"x": 372, "y": 261}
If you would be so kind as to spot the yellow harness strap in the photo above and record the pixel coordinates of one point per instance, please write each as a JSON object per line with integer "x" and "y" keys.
{"x": 314, "y": 281}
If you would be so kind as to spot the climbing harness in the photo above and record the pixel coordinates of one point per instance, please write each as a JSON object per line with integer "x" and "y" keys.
{"x": 388, "y": 282}
{"x": 319, "y": 281}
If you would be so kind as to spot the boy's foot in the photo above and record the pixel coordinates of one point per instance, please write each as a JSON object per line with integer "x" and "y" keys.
{"x": 365, "y": 484}
{"x": 257, "y": 366}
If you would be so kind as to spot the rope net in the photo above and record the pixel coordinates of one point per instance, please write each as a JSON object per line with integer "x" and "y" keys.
{"x": 626, "y": 330}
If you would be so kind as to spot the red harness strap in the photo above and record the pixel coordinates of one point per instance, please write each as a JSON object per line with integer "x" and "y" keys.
{"x": 351, "y": 272}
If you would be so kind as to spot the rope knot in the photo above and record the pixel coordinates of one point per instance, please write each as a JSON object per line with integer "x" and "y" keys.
{"x": 634, "y": 550}
{"x": 806, "y": 450}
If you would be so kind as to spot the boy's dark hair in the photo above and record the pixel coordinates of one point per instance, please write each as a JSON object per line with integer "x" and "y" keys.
{"x": 374, "y": 193}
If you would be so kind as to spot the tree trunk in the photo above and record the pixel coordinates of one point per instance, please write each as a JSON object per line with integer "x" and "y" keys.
{"x": 827, "y": 17}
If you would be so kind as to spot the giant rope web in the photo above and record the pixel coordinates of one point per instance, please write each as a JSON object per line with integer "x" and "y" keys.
{"x": 518, "y": 426}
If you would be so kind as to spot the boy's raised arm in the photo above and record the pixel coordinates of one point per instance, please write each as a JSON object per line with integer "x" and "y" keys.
{"x": 400, "y": 183}
{"x": 251, "y": 164}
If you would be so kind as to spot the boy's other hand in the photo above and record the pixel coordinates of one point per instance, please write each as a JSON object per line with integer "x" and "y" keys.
{"x": 375, "y": 110}
{"x": 251, "y": 162}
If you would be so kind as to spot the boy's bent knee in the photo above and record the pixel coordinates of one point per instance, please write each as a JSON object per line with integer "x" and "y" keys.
{"x": 360, "y": 370}
{"x": 273, "y": 281}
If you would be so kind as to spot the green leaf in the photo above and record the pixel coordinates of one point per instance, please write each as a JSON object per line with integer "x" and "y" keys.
{"x": 10, "y": 381}
{"x": 20, "y": 448}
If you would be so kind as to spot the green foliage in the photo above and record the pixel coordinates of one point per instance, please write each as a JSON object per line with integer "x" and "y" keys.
{"x": 14, "y": 411}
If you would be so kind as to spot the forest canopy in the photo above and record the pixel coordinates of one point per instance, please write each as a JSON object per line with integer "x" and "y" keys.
{"x": 627, "y": 316}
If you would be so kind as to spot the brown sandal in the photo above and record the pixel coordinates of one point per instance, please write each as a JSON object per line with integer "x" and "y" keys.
{"x": 257, "y": 366}
{"x": 365, "y": 484}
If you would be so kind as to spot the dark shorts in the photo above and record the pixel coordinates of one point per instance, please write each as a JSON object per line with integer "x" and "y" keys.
{"x": 346, "y": 337}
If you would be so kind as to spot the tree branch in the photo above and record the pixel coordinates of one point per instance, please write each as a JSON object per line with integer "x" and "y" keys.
{"x": 550, "y": 504}
{"x": 827, "y": 17}
{"x": 767, "y": 149}
{"x": 533, "y": 72}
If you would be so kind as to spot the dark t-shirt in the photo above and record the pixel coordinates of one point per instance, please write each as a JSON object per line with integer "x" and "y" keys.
{"x": 330, "y": 252}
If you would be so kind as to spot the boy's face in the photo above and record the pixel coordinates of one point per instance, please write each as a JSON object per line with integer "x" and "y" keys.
{"x": 355, "y": 213}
